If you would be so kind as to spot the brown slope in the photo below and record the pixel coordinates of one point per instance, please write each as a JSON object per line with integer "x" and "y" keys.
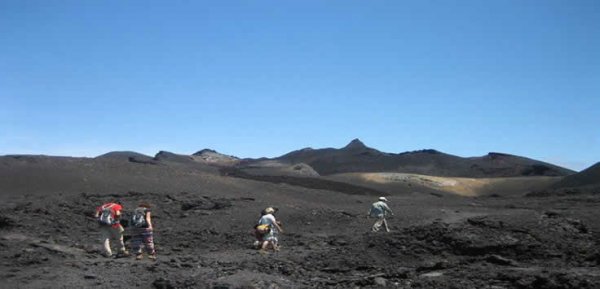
{"x": 401, "y": 183}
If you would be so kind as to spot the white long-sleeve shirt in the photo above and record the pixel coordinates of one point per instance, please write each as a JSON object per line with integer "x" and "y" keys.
{"x": 268, "y": 219}
{"x": 380, "y": 209}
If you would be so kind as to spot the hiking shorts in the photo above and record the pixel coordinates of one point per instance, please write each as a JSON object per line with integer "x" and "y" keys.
{"x": 271, "y": 237}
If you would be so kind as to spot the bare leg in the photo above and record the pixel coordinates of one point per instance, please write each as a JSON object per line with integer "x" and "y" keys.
{"x": 106, "y": 236}
{"x": 265, "y": 245}
{"x": 106, "y": 245}
{"x": 387, "y": 229}
{"x": 377, "y": 225}
{"x": 118, "y": 235}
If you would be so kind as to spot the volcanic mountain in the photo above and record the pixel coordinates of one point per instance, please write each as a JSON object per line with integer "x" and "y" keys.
{"x": 589, "y": 177}
{"x": 357, "y": 157}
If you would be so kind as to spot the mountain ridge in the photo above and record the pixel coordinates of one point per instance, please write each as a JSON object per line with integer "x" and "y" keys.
{"x": 356, "y": 156}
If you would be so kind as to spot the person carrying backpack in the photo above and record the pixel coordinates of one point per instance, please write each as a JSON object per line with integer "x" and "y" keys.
{"x": 142, "y": 232}
{"x": 108, "y": 216}
{"x": 380, "y": 210}
{"x": 269, "y": 238}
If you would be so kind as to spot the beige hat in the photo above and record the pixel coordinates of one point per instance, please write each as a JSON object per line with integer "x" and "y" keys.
{"x": 269, "y": 210}
{"x": 383, "y": 199}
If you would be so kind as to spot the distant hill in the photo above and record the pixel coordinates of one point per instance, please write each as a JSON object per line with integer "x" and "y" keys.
{"x": 127, "y": 156}
{"x": 357, "y": 157}
{"x": 203, "y": 157}
{"x": 353, "y": 168}
{"x": 111, "y": 172}
{"x": 587, "y": 177}
{"x": 165, "y": 156}
{"x": 213, "y": 157}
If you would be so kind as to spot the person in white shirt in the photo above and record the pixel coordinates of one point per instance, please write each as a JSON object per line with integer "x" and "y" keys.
{"x": 380, "y": 210}
{"x": 271, "y": 237}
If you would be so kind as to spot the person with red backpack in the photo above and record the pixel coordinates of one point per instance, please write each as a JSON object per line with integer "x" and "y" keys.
{"x": 108, "y": 216}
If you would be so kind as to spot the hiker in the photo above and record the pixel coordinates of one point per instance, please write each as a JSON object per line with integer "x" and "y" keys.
{"x": 380, "y": 210}
{"x": 142, "y": 236}
{"x": 108, "y": 216}
{"x": 269, "y": 238}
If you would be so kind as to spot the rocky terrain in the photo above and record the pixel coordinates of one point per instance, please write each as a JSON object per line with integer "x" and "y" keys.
{"x": 519, "y": 235}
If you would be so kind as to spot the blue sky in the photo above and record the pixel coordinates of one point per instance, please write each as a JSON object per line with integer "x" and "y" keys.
{"x": 262, "y": 78}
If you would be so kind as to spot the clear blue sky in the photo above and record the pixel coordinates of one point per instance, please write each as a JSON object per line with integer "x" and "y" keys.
{"x": 262, "y": 78}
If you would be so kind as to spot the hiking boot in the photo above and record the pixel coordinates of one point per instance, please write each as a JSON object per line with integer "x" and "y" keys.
{"x": 123, "y": 254}
{"x": 152, "y": 257}
{"x": 139, "y": 257}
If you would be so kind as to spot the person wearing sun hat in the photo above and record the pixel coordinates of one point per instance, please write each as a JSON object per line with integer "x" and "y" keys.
{"x": 270, "y": 238}
{"x": 380, "y": 210}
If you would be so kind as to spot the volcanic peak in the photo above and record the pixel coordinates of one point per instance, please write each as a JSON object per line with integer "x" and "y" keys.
{"x": 204, "y": 151}
{"x": 355, "y": 144}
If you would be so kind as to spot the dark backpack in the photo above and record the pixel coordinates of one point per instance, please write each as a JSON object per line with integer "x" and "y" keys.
{"x": 106, "y": 216}
{"x": 138, "y": 219}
